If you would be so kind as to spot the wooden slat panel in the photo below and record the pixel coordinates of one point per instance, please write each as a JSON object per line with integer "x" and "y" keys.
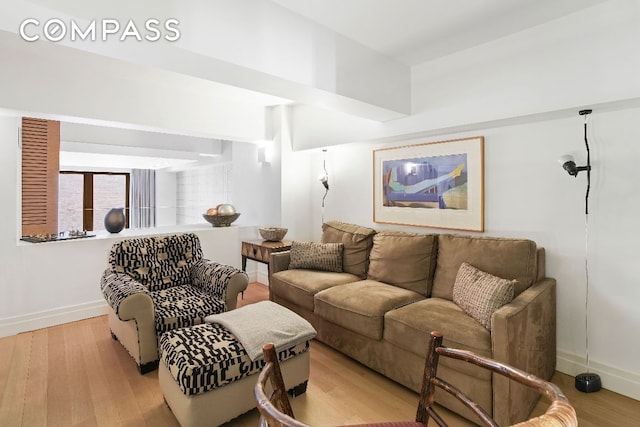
{"x": 53, "y": 172}
{"x": 40, "y": 167}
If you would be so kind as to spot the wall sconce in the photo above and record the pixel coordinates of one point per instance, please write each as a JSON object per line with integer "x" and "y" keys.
{"x": 324, "y": 178}
{"x": 265, "y": 152}
{"x": 570, "y": 166}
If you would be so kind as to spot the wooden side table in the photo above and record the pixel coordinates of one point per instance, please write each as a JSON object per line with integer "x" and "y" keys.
{"x": 261, "y": 250}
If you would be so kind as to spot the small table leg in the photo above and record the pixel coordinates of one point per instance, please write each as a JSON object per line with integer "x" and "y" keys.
{"x": 244, "y": 268}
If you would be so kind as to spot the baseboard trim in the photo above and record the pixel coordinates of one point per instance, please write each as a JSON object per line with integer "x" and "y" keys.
{"x": 262, "y": 277}
{"x": 44, "y": 319}
{"x": 257, "y": 275}
{"x": 614, "y": 379}
{"x": 253, "y": 276}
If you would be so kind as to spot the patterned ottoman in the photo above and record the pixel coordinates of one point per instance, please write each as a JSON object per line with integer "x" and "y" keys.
{"x": 207, "y": 378}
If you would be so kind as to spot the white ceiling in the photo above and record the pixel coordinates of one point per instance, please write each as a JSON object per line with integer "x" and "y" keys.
{"x": 414, "y": 31}
{"x": 408, "y": 31}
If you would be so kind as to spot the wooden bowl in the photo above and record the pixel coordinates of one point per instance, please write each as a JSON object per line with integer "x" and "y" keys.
{"x": 221, "y": 220}
{"x": 273, "y": 234}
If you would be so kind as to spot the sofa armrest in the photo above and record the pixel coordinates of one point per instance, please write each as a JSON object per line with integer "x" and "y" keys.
{"x": 523, "y": 335}
{"x": 220, "y": 280}
{"x": 128, "y": 298}
{"x": 279, "y": 261}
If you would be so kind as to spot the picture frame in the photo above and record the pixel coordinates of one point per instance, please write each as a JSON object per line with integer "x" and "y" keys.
{"x": 435, "y": 184}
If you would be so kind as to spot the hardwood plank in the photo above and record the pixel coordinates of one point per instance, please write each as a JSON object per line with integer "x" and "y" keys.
{"x": 255, "y": 292}
{"x": 99, "y": 376}
{"x": 145, "y": 388}
{"x": 35, "y": 404}
{"x": 58, "y": 386}
{"x": 79, "y": 398}
{"x": 602, "y": 408}
{"x": 6, "y": 351}
{"x": 89, "y": 379}
{"x": 11, "y": 409}
{"x": 123, "y": 400}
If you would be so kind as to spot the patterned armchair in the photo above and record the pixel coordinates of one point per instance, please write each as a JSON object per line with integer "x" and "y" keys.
{"x": 155, "y": 284}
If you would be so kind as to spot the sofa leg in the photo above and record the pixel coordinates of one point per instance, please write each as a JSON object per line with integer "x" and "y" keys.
{"x": 145, "y": 368}
{"x": 298, "y": 390}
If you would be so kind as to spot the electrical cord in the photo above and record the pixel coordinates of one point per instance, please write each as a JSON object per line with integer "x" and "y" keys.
{"x": 586, "y": 298}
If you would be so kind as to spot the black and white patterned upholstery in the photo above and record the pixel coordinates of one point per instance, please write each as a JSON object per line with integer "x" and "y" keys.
{"x": 212, "y": 277}
{"x": 163, "y": 283}
{"x": 208, "y": 356}
{"x": 117, "y": 286}
{"x": 158, "y": 262}
{"x": 182, "y": 306}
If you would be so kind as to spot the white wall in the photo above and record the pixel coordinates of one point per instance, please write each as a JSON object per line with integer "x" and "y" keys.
{"x": 50, "y": 283}
{"x": 298, "y": 181}
{"x": 528, "y": 194}
{"x": 523, "y": 93}
{"x": 256, "y": 189}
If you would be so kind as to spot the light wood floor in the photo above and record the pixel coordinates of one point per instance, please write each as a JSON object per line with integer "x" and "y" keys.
{"x": 75, "y": 374}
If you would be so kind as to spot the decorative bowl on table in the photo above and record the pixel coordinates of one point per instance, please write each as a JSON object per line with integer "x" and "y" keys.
{"x": 221, "y": 220}
{"x": 273, "y": 234}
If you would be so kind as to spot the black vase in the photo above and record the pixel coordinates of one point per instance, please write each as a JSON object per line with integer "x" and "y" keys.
{"x": 114, "y": 220}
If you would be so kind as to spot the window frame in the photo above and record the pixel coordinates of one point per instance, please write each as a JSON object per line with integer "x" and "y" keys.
{"x": 87, "y": 195}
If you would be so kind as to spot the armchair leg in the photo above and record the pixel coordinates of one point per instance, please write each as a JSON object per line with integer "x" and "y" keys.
{"x": 145, "y": 368}
{"x": 298, "y": 390}
{"x": 113, "y": 336}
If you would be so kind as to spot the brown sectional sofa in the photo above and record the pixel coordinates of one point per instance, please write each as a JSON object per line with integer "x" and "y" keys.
{"x": 396, "y": 287}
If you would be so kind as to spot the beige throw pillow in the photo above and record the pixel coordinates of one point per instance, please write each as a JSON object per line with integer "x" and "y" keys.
{"x": 479, "y": 293}
{"x": 316, "y": 256}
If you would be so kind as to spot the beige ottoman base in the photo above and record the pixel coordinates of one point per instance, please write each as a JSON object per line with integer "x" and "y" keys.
{"x": 222, "y": 404}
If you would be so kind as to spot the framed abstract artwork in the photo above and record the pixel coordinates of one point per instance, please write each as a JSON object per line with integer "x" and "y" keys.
{"x": 437, "y": 184}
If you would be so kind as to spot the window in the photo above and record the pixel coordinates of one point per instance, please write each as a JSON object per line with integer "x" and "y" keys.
{"x": 85, "y": 198}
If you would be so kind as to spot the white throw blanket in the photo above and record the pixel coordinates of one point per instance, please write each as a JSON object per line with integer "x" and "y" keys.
{"x": 255, "y": 325}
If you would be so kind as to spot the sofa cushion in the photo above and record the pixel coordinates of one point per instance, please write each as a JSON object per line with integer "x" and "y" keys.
{"x": 507, "y": 258}
{"x": 409, "y": 327}
{"x": 157, "y": 262}
{"x": 407, "y": 260}
{"x": 300, "y": 286}
{"x": 357, "y": 243}
{"x": 360, "y": 306}
{"x": 316, "y": 256}
{"x": 183, "y": 305}
{"x": 479, "y": 294}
